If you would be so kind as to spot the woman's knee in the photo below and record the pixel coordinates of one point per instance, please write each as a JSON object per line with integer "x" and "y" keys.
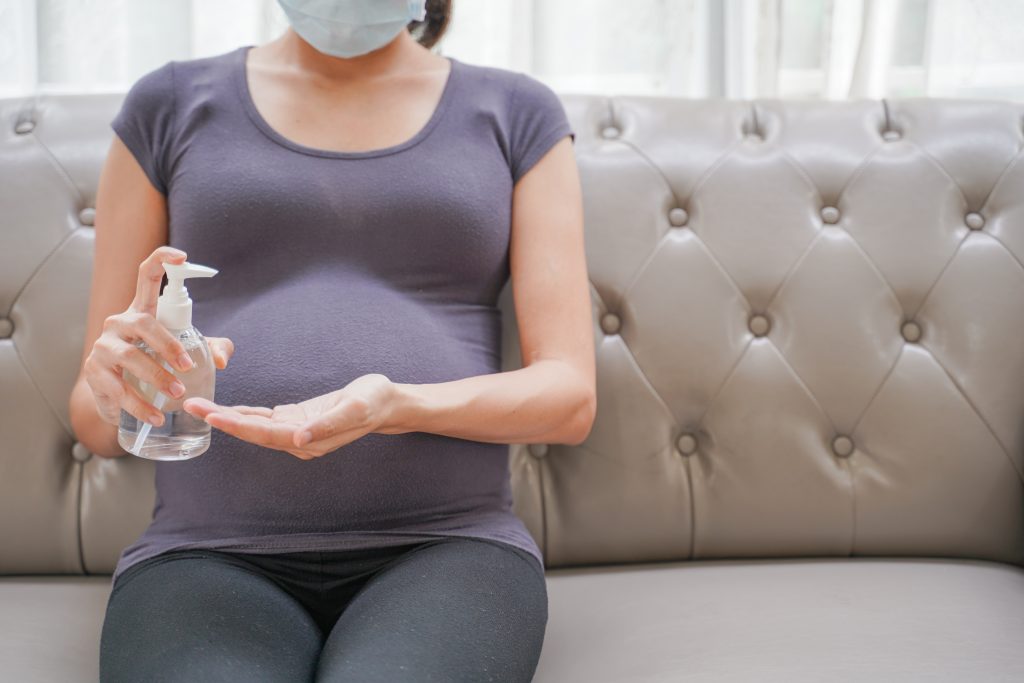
{"x": 484, "y": 603}
{"x": 193, "y": 616}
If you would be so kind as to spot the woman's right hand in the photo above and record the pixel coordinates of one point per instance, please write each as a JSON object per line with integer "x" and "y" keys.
{"x": 115, "y": 349}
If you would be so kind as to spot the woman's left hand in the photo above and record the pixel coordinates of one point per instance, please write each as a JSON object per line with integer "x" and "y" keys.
{"x": 309, "y": 429}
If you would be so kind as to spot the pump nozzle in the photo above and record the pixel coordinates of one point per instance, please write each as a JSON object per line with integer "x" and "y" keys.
{"x": 174, "y": 307}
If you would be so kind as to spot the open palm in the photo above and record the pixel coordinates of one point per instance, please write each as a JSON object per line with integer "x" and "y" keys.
{"x": 330, "y": 420}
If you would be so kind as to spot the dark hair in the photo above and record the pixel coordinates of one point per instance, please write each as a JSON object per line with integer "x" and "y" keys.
{"x": 429, "y": 31}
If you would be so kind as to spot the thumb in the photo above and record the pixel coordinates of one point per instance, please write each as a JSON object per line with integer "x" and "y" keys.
{"x": 317, "y": 429}
{"x": 222, "y": 349}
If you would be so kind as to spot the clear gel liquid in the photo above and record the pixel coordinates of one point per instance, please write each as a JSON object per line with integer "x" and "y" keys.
{"x": 182, "y": 436}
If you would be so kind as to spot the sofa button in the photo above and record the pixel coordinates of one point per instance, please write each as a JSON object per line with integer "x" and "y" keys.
{"x": 610, "y": 132}
{"x": 911, "y": 331}
{"x": 686, "y": 443}
{"x": 6, "y": 328}
{"x": 759, "y": 325}
{"x": 974, "y": 220}
{"x": 678, "y": 217}
{"x": 87, "y": 216}
{"x": 830, "y": 215}
{"x": 538, "y": 450}
{"x": 842, "y": 446}
{"x": 891, "y": 135}
{"x": 24, "y": 127}
{"x": 80, "y": 452}
{"x": 610, "y": 323}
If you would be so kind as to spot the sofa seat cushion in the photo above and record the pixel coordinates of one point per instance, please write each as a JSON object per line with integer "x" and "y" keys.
{"x": 767, "y": 620}
{"x": 50, "y": 627}
{"x": 852, "y": 619}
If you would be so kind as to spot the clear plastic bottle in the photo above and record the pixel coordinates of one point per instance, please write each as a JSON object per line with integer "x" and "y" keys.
{"x": 181, "y": 436}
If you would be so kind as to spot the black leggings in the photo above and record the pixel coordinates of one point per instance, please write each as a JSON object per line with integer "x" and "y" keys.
{"x": 446, "y": 609}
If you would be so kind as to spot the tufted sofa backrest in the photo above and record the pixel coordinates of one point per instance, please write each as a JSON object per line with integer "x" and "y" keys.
{"x": 809, "y": 322}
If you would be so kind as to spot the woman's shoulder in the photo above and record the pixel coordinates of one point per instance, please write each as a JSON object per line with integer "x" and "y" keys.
{"x": 488, "y": 75}
{"x": 503, "y": 79}
{"x": 207, "y": 66}
{"x": 530, "y": 115}
{"x": 173, "y": 79}
{"x": 507, "y": 88}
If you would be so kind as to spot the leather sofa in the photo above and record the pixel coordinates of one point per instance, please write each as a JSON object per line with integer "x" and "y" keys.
{"x": 808, "y": 458}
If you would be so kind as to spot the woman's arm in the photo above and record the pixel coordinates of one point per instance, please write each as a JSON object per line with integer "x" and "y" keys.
{"x": 131, "y": 221}
{"x": 552, "y": 399}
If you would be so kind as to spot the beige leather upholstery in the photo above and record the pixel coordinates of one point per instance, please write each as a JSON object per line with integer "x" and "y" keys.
{"x": 51, "y": 628}
{"x": 868, "y": 620}
{"x": 808, "y": 319}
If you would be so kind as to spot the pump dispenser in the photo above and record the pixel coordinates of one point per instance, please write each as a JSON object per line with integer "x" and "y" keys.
{"x": 181, "y": 436}
{"x": 174, "y": 307}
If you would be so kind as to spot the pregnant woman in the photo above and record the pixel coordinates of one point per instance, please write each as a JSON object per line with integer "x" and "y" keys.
{"x": 365, "y": 200}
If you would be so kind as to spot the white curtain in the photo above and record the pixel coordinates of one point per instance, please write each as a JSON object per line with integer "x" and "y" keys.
{"x": 834, "y": 49}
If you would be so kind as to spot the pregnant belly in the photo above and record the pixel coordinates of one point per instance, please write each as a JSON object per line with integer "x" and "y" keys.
{"x": 308, "y": 337}
{"x": 317, "y": 334}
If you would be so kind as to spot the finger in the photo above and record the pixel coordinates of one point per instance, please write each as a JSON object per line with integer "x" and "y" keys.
{"x": 289, "y": 412}
{"x": 151, "y": 273}
{"x": 333, "y": 443}
{"x": 143, "y": 366}
{"x": 217, "y": 353}
{"x": 107, "y": 388}
{"x": 200, "y": 407}
{"x": 262, "y": 411}
{"x": 133, "y": 326}
{"x": 253, "y": 428}
{"x": 113, "y": 389}
{"x": 133, "y": 402}
{"x": 338, "y": 419}
{"x": 221, "y": 348}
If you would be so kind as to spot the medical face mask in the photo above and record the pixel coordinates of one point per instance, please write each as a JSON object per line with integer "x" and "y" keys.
{"x": 348, "y": 28}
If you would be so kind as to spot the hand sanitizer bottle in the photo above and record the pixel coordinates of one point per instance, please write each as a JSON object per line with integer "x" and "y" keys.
{"x": 181, "y": 436}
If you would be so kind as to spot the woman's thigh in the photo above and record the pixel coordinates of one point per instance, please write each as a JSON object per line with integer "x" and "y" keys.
{"x": 196, "y": 616}
{"x": 462, "y": 609}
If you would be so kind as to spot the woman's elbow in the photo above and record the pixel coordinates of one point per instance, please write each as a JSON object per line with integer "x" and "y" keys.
{"x": 583, "y": 417}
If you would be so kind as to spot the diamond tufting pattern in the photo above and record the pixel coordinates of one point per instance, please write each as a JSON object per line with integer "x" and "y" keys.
{"x": 821, "y": 306}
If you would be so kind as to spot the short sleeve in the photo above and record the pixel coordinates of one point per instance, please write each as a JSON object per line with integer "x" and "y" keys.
{"x": 537, "y": 120}
{"x": 146, "y": 123}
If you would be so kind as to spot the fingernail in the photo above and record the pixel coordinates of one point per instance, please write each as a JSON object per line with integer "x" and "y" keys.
{"x": 305, "y": 437}
{"x": 184, "y": 362}
{"x": 156, "y": 420}
{"x": 177, "y": 389}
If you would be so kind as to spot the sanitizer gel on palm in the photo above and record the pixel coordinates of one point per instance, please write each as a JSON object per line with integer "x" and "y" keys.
{"x": 181, "y": 436}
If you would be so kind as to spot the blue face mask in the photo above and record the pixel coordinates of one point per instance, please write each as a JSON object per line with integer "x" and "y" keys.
{"x": 348, "y": 28}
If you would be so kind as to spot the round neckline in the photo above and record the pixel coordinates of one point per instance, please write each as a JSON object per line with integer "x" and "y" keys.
{"x": 242, "y": 81}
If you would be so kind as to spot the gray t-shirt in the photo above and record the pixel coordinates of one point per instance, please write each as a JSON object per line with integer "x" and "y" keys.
{"x": 333, "y": 265}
